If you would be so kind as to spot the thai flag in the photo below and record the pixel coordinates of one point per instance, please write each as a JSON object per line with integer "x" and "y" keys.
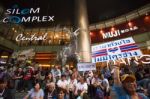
{"x": 102, "y": 52}
{"x": 128, "y": 47}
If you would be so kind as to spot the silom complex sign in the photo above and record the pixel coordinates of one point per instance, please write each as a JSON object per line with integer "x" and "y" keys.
{"x": 26, "y": 15}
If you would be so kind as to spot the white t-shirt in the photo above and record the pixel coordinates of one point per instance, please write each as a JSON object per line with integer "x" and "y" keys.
{"x": 82, "y": 87}
{"x": 32, "y": 94}
{"x": 72, "y": 83}
{"x": 62, "y": 84}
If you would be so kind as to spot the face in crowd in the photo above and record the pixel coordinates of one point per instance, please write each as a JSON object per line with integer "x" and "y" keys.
{"x": 56, "y": 67}
{"x": 3, "y": 85}
{"x": 37, "y": 87}
{"x": 129, "y": 84}
{"x": 63, "y": 77}
{"x": 61, "y": 94}
{"x": 20, "y": 69}
{"x": 82, "y": 80}
{"x": 49, "y": 75}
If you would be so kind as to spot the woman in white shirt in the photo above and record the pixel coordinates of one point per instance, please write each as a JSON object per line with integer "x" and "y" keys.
{"x": 72, "y": 82}
{"x": 81, "y": 87}
{"x": 35, "y": 93}
{"x": 62, "y": 83}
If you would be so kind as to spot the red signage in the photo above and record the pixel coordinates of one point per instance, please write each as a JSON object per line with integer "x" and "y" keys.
{"x": 133, "y": 27}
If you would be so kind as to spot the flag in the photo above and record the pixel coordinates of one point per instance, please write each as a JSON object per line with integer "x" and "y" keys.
{"x": 102, "y": 52}
{"x": 128, "y": 47}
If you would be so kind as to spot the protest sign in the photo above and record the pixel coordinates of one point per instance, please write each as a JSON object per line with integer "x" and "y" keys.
{"x": 114, "y": 50}
{"x": 86, "y": 66}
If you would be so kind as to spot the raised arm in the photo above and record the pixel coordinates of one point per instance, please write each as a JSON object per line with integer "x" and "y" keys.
{"x": 116, "y": 75}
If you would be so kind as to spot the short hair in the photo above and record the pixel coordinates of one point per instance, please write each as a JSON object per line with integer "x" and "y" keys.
{"x": 37, "y": 82}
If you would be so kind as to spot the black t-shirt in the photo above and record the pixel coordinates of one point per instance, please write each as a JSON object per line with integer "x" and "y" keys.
{"x": 18, "y": 74}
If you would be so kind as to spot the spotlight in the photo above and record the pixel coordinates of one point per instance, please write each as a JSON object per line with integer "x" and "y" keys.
{"x": 112, "y": 29}
{"x": 130, "y": 24}
{"x": 101, "y": 31}
{"x": 91, "y": 34}
{"x": 147, "y": 18}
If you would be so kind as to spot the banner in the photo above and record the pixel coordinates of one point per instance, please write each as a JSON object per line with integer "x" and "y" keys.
{"x": 115, "y": 50}
{"x": 86, "y": 66}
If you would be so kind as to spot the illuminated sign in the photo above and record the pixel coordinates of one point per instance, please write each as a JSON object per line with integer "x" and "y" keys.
{"x": 123, "y": 48}
{"x": 33, "y": 37}
{"x": 118, "y": 32}
{"x": 17, "y": 15}
{"x": 122, "y": 30}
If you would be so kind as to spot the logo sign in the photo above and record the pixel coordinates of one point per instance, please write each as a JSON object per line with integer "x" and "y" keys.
{"x": 118, "y": 32}
{"x": 123, "y": 48}
{"x": 26, "y": 15}
{"x": 86, "y": 66}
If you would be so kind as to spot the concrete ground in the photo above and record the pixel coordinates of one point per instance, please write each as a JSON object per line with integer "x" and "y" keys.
{"x": 20, "y": 95}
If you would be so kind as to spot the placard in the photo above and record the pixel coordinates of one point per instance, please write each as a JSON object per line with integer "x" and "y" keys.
{"x": 114, "y": 50}
{"x": 86, "y": 66}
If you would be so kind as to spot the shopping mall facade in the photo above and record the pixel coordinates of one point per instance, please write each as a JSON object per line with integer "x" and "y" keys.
{"x": 47, "y": 43}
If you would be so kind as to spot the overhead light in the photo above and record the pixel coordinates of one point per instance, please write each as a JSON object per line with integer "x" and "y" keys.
{"x": 130, "y": 24}
{"x": 56, "y": 36}
{"x": 91, "y": 34}
{"x": 101, "y": 31}
{"x": 147, "y": 18}
{"x": 112, "y": 29}
{"x": 4, "y": 56}
{"x": 44, "y": 65}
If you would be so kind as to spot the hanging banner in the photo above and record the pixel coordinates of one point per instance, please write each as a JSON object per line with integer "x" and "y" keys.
{"x": 115, "y": 50}
{"x": 86, "y": 66}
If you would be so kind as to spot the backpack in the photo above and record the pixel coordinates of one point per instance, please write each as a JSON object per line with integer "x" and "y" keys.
{"x": 99, "y": 94}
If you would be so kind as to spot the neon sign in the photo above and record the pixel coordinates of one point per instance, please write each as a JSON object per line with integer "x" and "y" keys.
{"x": 17, "y": 15}
{"x": 118, "y": 32}
{"x": 22, "y": 37}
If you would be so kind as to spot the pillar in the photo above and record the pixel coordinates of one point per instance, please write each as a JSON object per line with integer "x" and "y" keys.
{"x": 81, "y": 21}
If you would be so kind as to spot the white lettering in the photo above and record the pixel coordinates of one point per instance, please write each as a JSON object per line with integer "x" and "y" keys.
{"x": 8, "y": 11}
{"x": 5, "y": 20}
{"x": 26, "y": 19}
{"x": 51, "y": 18}
{"x": 21, "y": 37}
{"x": 37, "y": 10}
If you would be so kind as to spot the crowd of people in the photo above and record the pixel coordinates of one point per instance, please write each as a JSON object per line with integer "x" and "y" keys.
{"x": 118, "y": 81}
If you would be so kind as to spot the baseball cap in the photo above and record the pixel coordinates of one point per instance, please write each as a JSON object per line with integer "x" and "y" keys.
{"x": 128, "y": 77}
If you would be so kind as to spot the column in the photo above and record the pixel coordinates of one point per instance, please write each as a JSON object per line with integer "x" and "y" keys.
{"x": 81, "y": 21}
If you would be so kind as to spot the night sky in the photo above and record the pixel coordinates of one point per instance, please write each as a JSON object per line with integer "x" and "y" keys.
{"x": 63, "y": 10}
